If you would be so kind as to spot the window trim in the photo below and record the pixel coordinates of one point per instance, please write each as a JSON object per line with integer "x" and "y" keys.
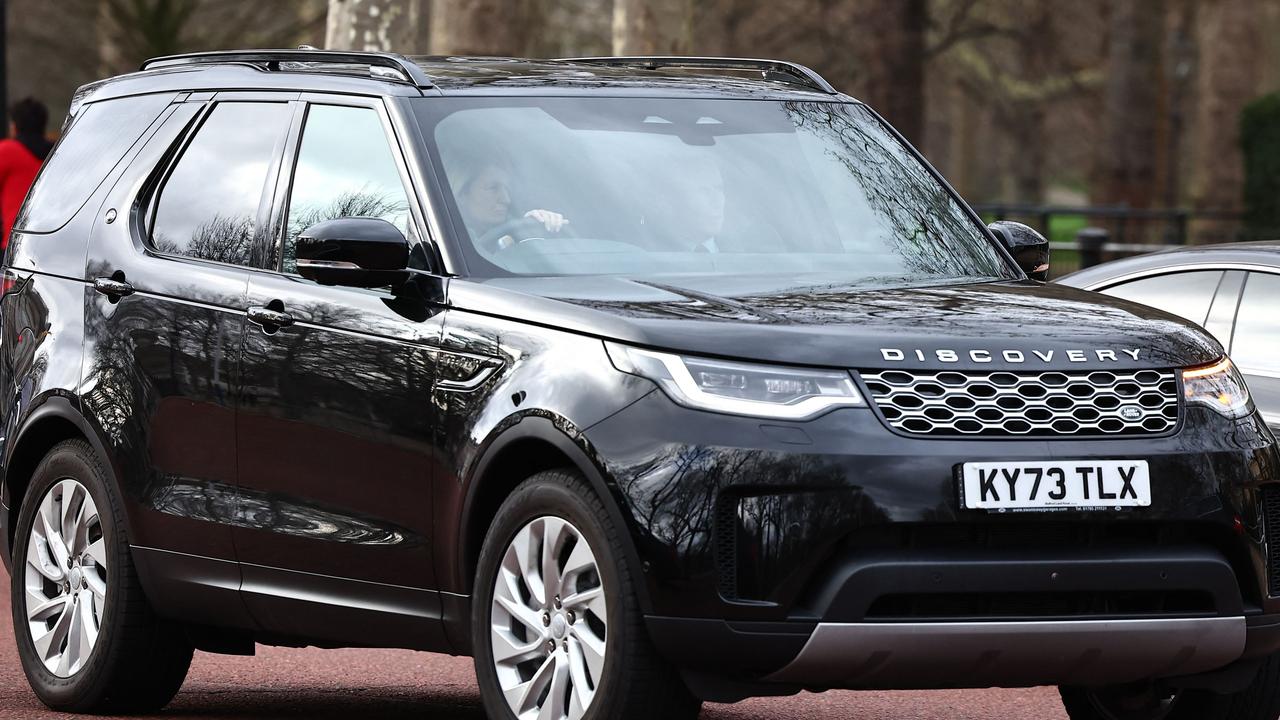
{"x": 1235, "y": 322}
{"x": 283, "y": 190}
{"x": 148, "y": 199}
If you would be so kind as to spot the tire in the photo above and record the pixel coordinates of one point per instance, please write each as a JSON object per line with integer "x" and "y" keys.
{"x": 137, "y": 662}
{"x": 1259, "y": 701}
{"x": 632, "y": 682}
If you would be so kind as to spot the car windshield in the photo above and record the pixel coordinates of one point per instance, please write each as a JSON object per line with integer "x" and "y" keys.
{"x": 803, "y": 193}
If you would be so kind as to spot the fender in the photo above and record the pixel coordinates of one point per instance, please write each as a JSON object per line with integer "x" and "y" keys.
{"x": 54, "y": 404}
{"x": 570, "y": 441}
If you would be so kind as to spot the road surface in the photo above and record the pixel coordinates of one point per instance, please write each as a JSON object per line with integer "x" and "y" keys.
{"x": 395, "y": 684}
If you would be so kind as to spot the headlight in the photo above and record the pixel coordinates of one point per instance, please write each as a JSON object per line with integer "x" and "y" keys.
{"x": 1218, "y": 386}
{"x": 738, "y": 388}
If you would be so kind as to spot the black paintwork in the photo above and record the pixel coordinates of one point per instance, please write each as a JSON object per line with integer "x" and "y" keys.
{"x": 325, "y": 473}
{"x": 843, "y": 327}
{"x": 1027, "y": 246}
{"x": 357, "y": 252}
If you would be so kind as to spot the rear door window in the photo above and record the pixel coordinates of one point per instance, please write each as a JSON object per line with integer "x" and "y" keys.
{"x": 1185, "y": 294}
{"x": 209, "y": 205}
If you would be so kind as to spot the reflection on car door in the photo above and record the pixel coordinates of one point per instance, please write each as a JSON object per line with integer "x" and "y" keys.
{"x": 336, "y": 425}
{"x": 165, "y": 316}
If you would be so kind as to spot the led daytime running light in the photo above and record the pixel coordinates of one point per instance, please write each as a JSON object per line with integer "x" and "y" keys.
{"x": 1223, "y": 365}
{"x": 740, "y": 388}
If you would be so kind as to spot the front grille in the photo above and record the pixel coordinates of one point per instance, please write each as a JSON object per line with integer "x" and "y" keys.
{"x": 1005, "y": 404}
{"x": 1271, "y": 524}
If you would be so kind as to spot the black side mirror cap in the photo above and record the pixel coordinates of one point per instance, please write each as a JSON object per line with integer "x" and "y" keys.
{"x": 354, "y": 251}
{"x": 1028, "y": 247}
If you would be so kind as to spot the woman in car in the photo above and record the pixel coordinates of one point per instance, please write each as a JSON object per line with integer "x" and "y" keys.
{"x": 482, "y": 188}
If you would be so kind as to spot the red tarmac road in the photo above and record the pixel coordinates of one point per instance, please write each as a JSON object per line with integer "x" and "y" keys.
{"x": 393, "y": 684}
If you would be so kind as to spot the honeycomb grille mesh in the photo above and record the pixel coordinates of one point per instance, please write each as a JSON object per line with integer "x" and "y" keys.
{"x": 1008, "y": 404}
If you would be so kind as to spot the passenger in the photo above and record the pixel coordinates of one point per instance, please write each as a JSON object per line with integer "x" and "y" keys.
{"x": 482, "y": 188}
{"x": 703, "y": 198}
{"x": 689, "y": 214}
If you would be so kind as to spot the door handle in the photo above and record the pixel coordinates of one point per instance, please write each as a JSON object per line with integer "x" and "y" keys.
{"x": 112, "y": 288}
{"x": 267, "y": 317}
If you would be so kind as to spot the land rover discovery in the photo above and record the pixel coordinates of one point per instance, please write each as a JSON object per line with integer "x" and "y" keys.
{"x": 644, "y": 381}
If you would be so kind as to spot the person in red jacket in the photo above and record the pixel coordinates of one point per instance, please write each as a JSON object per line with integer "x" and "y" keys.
{"x": 20, "y": 158}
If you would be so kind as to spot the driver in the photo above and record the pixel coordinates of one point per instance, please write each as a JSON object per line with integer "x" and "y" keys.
{"x": 482, "y": 187}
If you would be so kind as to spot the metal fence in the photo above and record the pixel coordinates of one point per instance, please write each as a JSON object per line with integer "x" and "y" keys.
{"x": 1099, "y": 233}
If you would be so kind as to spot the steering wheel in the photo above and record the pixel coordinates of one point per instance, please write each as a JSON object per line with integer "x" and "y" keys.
{"x": 520, "y": 229}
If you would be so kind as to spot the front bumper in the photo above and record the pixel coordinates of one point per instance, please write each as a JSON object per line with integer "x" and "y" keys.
{"x": 835, "y": 553}
{"x": 960, "y": 655}
{"x": 981, "y": 654}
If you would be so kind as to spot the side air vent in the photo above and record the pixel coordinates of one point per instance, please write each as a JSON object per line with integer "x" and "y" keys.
{"x": 726, "y": 545}
{"x": 1271, "y": 518}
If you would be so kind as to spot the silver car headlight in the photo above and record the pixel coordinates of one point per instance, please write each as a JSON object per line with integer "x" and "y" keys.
{"x": 1218, "y": 386}
{"x": 740, "y": 388}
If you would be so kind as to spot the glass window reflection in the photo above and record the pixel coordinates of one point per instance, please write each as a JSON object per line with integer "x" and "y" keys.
{"x": 1256, "y": 343}
{"x": 345, "y": 169}
{"x": 208, "y": 208}
{"x": 802, "y": 193}
{"x": 1186, "y": 294}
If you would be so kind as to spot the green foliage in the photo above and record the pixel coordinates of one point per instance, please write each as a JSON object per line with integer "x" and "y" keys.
{"x": 1260, "y": 141}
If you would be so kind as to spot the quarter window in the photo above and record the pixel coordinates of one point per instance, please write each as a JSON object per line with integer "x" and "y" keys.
{"x": 1185, "y": 294}
{"x": 97, "y": 140}
{"x": 208, "y": 207}
{"x": 345, "y": 169}
{"x": 1256, "y": 343}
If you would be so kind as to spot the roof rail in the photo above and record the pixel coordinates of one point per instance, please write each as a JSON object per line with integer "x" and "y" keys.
{"x": 401, "y": 68}
{"x": 793, "y": 72}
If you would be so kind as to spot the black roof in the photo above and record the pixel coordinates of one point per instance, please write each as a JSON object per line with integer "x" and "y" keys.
{"x": 1263, "y": 254}
{"x": 392, "y": 74}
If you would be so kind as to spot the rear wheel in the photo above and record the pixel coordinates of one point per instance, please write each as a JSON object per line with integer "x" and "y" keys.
{"x": 556, "y": 628}
{"x": 1154, "y": 701}
{"x": 86, "y": 637}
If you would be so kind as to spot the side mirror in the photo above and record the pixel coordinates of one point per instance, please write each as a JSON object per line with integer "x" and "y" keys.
{"x": 1027, "y": 246}
{"x": 354, "y": 251}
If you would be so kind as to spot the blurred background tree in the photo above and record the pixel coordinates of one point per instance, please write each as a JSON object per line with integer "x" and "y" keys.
{"x": 1090, "y": 102}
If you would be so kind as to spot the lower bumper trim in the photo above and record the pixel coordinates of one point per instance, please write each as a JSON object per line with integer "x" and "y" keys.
{"x": 1011, "y": 654}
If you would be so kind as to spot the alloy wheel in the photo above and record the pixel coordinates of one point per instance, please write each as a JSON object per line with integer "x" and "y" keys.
{"x": 549, "y": 622}
{"x": 65, "y": 578}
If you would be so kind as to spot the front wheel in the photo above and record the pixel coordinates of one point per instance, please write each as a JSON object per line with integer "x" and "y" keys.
{"x": 1260, "y": 700}
{"x": 556, "y": 628}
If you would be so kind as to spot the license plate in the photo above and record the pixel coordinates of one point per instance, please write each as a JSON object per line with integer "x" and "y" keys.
{"x": 1053, "y": 485}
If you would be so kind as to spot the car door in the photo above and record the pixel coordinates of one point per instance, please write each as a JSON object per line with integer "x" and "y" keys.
{"x": 169, "y": 271}
{"x": 1255, "y": 342}
{"x": 336, "y": 426}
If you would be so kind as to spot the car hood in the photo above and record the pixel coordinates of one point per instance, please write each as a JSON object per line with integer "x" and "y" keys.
{"x": 1017, "y": 325}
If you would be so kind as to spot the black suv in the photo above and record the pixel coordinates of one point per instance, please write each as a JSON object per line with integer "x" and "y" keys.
{"x": 645, "y": 381}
